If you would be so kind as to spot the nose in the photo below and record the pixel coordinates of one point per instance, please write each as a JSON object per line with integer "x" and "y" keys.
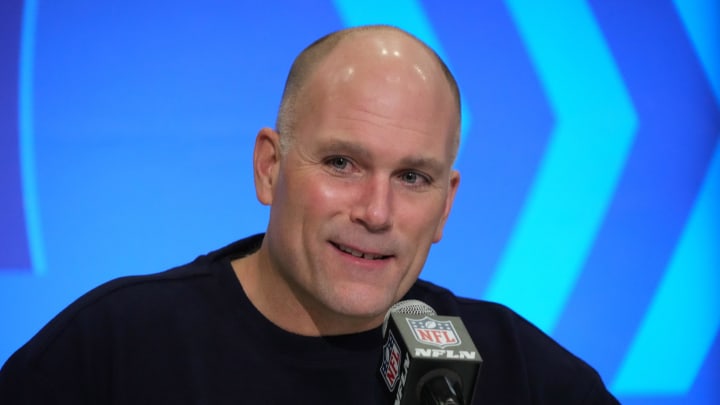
{"x": 373, "y": 206}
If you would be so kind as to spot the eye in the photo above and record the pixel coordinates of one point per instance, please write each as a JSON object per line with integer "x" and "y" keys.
{"x": 338, "y": 163}
{"x": 415, "y": 179}
{"x": 410, "y": 177}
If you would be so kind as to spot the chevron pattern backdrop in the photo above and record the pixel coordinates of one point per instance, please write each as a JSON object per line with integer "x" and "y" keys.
{"x": 590, "y": 200}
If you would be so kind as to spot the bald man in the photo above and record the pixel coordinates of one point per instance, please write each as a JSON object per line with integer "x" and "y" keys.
{"x": 358, "y": 174}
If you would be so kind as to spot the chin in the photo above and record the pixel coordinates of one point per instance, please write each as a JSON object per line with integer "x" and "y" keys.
{"x": 362, "y": 303}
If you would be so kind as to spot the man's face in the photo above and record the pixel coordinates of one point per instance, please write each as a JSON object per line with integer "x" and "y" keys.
{"x": 366, "y": 185}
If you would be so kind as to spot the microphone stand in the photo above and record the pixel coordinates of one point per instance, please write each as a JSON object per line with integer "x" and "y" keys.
{"x": 440, "y": 387}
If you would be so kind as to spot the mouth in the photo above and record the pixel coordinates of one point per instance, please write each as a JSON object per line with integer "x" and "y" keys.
{"x": 360, "y": 254}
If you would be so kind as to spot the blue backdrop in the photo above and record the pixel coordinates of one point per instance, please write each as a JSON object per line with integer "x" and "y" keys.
{"x": 590, "y": 199}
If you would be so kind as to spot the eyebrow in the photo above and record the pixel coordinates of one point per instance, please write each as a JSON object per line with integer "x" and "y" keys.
{"x": 427, "y": 164}
{"x": 337, "y": 146}
{"x": 418, "y": 162}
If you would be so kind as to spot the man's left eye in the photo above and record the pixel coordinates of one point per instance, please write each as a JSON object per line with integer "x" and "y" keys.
{"x": 338, "y": 162}
{"x": 410, "y": 177}
{"x": 414, "y": 178}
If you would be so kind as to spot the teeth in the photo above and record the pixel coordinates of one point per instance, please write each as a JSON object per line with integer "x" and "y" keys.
{"x": 359, "y": 254}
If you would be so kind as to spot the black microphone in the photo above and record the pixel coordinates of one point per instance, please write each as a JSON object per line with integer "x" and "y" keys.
{"x": 427, "y": 359}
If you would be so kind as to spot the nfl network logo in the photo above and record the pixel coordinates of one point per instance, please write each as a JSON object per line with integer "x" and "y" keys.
{"x": 433, "y": 332}
{"x": 390, "y": 367}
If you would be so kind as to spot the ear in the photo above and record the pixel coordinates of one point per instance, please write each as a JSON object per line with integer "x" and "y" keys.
{"x": 266, "y": 164}
{"x": 453, "y": 186}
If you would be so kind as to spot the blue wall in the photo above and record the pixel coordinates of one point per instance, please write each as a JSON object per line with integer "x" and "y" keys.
{"x": 590, "y": 199}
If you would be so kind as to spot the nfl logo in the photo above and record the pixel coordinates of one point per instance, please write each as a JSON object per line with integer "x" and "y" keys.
{"x": 433, "y": 332}
{"x": 390, "y": 367}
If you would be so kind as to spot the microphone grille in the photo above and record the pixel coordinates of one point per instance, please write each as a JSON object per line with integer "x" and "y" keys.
{"x": 408, "y": 307}
{"x": 412, "y": 307}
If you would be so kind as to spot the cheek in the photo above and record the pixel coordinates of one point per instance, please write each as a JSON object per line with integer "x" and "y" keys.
{"x": 317, "y": 195}
{"x": 330, "y": 192}
{"x": 325, "y": 192}
{"x": 420, "y": 218}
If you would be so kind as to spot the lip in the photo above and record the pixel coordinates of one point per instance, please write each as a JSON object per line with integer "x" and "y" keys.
{"x": 361, "y": 254}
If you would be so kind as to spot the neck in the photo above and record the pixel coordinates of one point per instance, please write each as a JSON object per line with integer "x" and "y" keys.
{"x": 287, "y": 307}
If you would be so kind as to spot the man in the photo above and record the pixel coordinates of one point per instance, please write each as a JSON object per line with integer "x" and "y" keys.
{"x": 358, "y": 175}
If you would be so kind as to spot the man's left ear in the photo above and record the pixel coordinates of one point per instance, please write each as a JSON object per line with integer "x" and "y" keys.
{"x": 266, "y": 162}
{"x": 449, "y": 199}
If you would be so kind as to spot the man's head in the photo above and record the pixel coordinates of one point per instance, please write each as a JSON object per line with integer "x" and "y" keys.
{"x": 365, "y": 183}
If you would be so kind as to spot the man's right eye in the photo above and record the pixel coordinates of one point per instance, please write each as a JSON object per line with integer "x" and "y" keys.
{"x": 338, "y": 162}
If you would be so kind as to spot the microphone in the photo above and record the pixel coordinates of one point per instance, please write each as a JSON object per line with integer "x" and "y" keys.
{"x": 427, "y": 359}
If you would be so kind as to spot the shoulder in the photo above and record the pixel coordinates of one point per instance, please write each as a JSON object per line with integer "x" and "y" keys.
{"x": 143, "y": 295}
{"x": 106, "y": 304}
{"x": 127, "y": 329}
{"x": 69, "y": 350}
{"x": 138, "y": 298}
{"x": 154, "y": 303}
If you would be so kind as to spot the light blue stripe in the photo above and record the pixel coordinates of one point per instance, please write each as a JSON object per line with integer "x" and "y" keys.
{"x": 407, "y": 15}
{"x": 702, "y": 21}
{"x": 27, "y": 140}
{"x": 684, "y": 316}
{"x": 594, "y": 131}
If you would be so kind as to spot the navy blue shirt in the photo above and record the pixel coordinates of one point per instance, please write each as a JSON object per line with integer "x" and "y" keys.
{"x": 191, "y": 336}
